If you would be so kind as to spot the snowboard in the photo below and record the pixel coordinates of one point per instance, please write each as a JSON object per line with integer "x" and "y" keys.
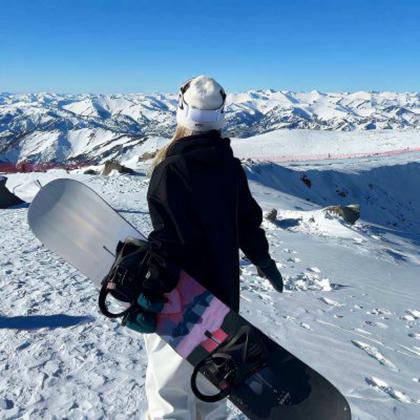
{"x": 72, "y": 220}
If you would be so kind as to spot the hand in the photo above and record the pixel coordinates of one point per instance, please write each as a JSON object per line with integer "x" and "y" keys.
{"x": 144, "y": 318}
{"x": 269, "y": 270}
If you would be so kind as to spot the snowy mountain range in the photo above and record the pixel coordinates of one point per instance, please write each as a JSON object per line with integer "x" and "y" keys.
{"x": 48, "y": 127}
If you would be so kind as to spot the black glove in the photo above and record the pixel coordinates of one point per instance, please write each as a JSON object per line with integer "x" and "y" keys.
{"x": 268, "y": 269}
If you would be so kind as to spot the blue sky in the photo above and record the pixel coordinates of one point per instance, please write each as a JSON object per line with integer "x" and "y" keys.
{"x": 138, "y": 45}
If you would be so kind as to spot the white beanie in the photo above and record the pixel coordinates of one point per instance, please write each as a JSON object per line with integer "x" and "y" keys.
{"x": 201, "y": 104}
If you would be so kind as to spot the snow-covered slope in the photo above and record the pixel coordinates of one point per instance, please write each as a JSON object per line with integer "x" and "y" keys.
{"x": 290, "y": 145}
{"x": 351, "y": 306}
{"x": 51, "y": 127}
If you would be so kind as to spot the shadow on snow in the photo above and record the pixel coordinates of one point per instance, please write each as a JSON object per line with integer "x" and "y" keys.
{"x": 35, "y": 322}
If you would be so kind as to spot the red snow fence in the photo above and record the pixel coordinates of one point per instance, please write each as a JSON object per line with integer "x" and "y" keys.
{"x": 330, "y": 156}
{"x": 8, "y": 167}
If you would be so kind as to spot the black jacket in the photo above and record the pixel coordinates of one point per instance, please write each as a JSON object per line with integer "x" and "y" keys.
{"x": 202, "y": 212}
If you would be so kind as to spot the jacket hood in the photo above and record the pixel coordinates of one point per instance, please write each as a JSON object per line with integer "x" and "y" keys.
{"x": 209, "y": 148}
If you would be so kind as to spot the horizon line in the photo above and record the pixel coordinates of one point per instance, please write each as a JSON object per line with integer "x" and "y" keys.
{"x": 46, "y": 92}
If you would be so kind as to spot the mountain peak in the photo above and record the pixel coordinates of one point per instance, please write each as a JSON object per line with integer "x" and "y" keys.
{"x": 48, "y": 126}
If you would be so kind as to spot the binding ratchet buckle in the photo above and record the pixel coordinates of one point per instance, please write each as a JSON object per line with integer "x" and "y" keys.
{"x": 231, "y": 363}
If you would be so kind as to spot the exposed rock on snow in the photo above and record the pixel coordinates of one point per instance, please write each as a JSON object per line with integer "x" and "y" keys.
{"x": 388, "y": 192}
{"x": 305, "y": 179}
{"x": 147, "y": 156}
{"x": 318, "y": 222}
{"x": 112, "y": 165}
{"x": 350, "y": 214}
{"x": 90, "y": 172}
{"x": 271, "y": 216}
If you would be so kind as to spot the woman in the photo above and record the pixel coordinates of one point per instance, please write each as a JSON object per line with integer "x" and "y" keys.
{"x": 202, "y": 213}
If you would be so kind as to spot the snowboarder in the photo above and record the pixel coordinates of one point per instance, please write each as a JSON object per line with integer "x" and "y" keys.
{"x": 202, "y": 213}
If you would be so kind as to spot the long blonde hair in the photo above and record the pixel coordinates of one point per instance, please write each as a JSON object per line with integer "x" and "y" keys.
{"x": 180, "y": 132}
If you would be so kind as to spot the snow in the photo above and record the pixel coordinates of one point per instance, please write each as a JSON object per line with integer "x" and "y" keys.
{"x": 47, "y": 126}
{"x": 289, "y": 145}
{"x": 350, "y": 307}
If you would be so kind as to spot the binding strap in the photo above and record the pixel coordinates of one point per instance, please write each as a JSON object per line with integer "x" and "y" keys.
{"x": 125, "y": 278}
{"x": 106, "y": 289}
{"x": 231, "y": 363}
{"x": 206, "y": 363}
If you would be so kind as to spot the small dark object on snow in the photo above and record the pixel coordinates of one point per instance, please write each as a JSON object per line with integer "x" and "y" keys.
{"x": 341, "y": 193}
{"x": 349, "y": 214}
{"x": 305, "y": 179}
{"x": 271, "y": 216}
{"x": 7, "y": 199}
{"x": 90, "y": 172}
{"x": 112, "y": 165}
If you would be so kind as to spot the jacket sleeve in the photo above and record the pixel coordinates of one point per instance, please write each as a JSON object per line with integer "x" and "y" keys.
{"x": 169, "y": 206}
{"x": 252, "y": 239}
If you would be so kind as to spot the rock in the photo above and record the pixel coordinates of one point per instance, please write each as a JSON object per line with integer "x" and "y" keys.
{"x": 7, "y": 198}
{"x": 90, "y": 172}
{"x": 271, "y": 216}
{"x": 305, "y": 179}
{"x": 350, "y": 214}
{"x": 341, "y": 193}
{"x": 113, "y": 165}
{"x": 147, "y": 156}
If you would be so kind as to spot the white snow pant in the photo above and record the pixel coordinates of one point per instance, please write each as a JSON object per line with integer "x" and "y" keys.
{"x": 168, "y": 388}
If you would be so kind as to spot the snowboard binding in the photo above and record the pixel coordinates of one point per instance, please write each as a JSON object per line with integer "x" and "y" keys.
{"x": 124, "y": 280}
{"x": 231, "y": 363}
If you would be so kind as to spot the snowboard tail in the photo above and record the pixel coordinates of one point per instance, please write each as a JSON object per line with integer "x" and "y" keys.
{"x": 263, "y": 379}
